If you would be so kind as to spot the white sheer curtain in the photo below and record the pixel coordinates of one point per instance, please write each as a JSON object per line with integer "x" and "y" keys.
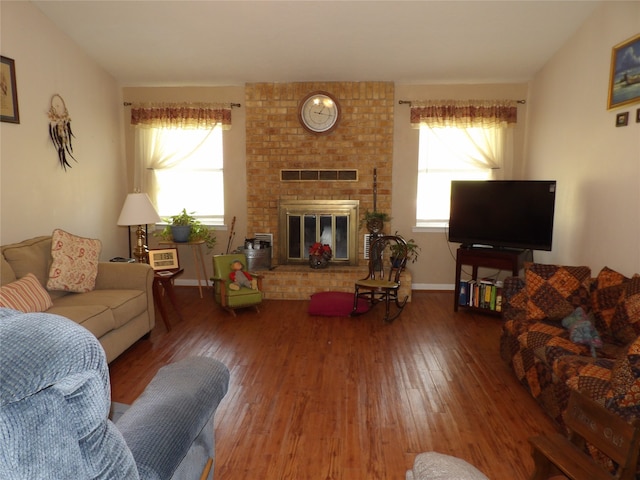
{"x": 476, "y": 147}
{"x": 447, "y": 154}
{"x": 156, "y": 150}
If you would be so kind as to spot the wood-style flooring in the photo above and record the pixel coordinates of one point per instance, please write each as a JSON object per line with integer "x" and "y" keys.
{"x": 348, "y": 398}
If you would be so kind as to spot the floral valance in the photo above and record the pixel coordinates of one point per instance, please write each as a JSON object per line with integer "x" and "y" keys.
{"x": 181, "y": 115}
{"x": 464, "y": 114}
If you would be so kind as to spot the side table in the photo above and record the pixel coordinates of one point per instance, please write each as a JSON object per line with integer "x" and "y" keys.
{"x": 163, "y": 279}
{"x": 499, "y": 259}
{"x": 198, "y": 259}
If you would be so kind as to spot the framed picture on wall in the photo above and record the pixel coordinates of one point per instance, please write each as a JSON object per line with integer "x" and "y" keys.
{"x": 624, "y": 80}
{"x": 164, "y": 259}
{"x": 8, "y": 91}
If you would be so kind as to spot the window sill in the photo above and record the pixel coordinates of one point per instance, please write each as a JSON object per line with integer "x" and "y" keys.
{"x": 432, "y": 228}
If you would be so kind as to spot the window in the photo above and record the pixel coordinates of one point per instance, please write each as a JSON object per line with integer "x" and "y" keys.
{"x": 184, "y": 169}
{"x": 450, "y": 153}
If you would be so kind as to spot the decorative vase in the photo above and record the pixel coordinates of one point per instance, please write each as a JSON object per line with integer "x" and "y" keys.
{"x": 318, "y": 261}
{"x": 180, "y": 233}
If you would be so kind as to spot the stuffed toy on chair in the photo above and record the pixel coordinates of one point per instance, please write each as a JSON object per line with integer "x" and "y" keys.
{"x": 582, "y": 330}
{"x": 240, "y": 278}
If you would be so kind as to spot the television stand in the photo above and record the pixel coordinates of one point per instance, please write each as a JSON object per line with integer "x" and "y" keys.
{"x": 499, "y": 259}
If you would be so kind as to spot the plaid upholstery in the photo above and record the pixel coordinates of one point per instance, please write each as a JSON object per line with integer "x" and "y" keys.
{"x": 554, "y": 291}
{"x": 625, "y": 323}
{"x": 606, "y": 291}
{"x": 536, "y": 346}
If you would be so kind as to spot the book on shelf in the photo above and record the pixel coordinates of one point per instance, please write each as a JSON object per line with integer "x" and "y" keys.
{"x": 485, "y": 293}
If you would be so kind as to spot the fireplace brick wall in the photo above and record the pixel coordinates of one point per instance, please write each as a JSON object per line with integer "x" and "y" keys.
{"x": 276, "y": 141}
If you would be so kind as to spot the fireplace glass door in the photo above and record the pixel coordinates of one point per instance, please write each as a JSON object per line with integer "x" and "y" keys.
{"x": 329, "y": 222}
{"x": 305, "y": 230}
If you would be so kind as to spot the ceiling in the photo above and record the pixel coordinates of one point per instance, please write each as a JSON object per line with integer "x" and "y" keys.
{"x": 171, "y": 43}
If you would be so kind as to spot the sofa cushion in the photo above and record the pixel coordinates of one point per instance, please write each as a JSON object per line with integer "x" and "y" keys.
{"x": 98, "y": 319}
{"x": 26, "y": 295}
{"x": 607, "y": 290}
{"x": 124, "y": 304}
{"x": 554, "y": 291}
{"x": 585, "y": 374}
{"x": 7, "y": 274}
{"x": 30, "y": 256}
{"x": 622, "y": 376}
{"x": 75, "y": 262}
{"x": 625, "y": 323}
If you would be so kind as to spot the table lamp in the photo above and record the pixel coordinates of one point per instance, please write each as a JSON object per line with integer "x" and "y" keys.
{"x": 138, "y": 210}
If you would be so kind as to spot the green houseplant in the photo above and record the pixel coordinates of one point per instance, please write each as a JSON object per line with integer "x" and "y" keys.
{"x": 197, "y": 231}
{"x": 413, "y": 250}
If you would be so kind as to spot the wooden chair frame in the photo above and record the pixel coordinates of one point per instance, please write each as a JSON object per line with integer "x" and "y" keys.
{"x": 382, "y": 282}
{"x": 588, "y": 422}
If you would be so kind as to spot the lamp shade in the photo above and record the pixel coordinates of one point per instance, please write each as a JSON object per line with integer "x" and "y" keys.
{"x": 138, "y": 210}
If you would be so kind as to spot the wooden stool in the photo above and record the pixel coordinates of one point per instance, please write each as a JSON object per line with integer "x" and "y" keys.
{"x": 590, "y": 422}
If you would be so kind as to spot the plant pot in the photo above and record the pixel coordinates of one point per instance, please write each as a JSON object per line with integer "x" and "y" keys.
{"x": 180, "y": 233}
{"x": 318, "y": 261}
{"x": 375, "y": 225}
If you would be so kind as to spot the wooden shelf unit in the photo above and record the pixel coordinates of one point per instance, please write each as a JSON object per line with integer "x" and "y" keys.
{"x": 496, "y": 258}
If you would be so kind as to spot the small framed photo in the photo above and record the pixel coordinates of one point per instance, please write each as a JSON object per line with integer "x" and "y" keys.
{"x": 164, "y": 259}
{"x": 8, "y": 91}
{"x": 622, "y": 119}
{"x": 624, "y": 79}
{"x": 638, "y": 115}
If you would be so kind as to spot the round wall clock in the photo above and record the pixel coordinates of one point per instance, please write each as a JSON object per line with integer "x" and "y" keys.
{"x": 319, "y": 112}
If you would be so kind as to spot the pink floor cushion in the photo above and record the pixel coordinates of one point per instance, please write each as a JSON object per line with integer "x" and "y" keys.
{"x": 335, "y": 304}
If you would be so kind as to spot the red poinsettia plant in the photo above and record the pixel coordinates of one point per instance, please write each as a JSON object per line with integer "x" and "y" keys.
{"x": 320, "y": 250}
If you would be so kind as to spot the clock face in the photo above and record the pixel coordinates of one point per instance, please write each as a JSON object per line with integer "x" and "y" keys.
{"x": 319, "y": 112}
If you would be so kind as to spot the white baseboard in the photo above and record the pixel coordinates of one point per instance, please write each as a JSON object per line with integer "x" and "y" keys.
{"x": 190, "y": 282}
{"x": 193, "y": 282}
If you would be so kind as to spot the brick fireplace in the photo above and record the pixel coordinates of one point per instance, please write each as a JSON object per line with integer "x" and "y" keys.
{"x": 287, "y": 163}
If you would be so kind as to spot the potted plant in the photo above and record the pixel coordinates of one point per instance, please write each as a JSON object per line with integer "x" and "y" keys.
{"x": 374, "y": 221}
{"x": 319, "y": 255}
{"x": 413, "y": 250}
{"x": 184, "y": 227}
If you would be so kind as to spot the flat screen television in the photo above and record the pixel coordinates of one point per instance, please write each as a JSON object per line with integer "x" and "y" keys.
{"x": 514, "y": 214}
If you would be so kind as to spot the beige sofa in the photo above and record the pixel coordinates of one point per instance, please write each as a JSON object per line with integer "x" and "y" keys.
{"x": 119, "y": 311}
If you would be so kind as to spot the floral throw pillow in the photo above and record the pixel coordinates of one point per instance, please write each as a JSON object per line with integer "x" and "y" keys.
{"x": 25, "y": 295}
{"x": 75, "y": 262}
{"x": 554, "y": 291}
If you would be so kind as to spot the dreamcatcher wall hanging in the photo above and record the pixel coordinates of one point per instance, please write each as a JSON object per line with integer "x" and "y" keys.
{"x": 60, "y": 130}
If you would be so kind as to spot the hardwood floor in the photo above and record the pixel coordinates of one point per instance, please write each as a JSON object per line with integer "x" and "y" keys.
{"x": 342, "y": 398}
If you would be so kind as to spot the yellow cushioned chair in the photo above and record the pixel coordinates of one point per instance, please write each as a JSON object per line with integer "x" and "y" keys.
{"x": 232, "y": 299}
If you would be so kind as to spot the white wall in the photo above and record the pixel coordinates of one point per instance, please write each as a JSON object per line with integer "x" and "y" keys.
{"x": 36, "y": 195}
{"x": 572, "y": 138}
{"x": 435, "y": 268}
